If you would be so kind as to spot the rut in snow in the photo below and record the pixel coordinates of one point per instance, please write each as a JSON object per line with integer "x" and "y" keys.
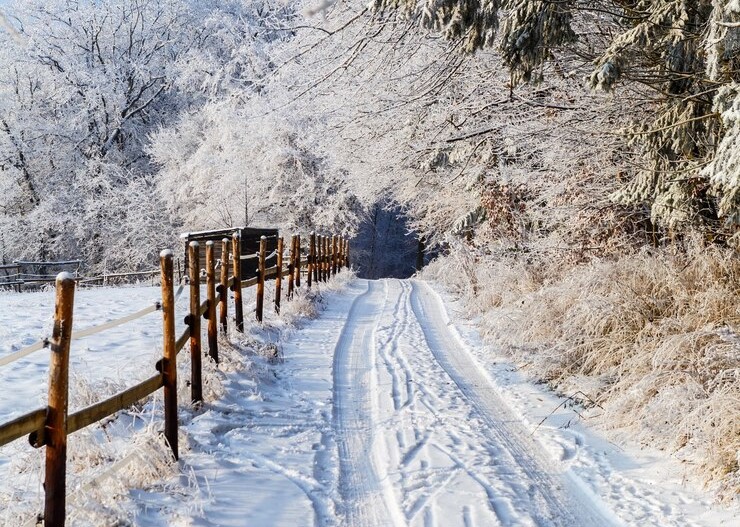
{"x": 422, "y": 436}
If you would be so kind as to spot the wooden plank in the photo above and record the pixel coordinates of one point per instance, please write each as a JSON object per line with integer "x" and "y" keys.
{"x": 96, "y": 412}
{"x": 271, "y": 272}
{"x": 23, "y": 425}
{"x": 48, "y": 264}
{"x": 251, "y": 282}
{"x": 180, "y": 343}
{"x": 124, "y": 275}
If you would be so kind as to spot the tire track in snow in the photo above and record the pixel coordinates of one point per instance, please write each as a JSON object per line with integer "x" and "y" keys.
{"x": 402, "y": 417}
{"x": 364, "y": 498}
{"x": 402, "y": 362}
{"x": 397, "y": 319}
{"x": 431, "y": 417}
{"x": 553, "y": 499}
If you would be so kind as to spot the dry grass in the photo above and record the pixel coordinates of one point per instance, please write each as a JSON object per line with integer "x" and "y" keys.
{"x": 654, "y": 337}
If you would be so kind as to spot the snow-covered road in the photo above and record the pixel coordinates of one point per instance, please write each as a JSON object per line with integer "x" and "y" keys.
{"x": 385, "y": 410}
{"x": 381, "y": 415}
{"x": 423, "y": 437}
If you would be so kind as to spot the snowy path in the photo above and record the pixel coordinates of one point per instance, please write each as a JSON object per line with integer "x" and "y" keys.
{"x": 446, "y": 452}
{"x": 381, "y": 415}
{"x": 383, "y": 412}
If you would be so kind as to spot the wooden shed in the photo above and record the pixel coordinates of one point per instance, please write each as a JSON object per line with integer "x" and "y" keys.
{"x": 250, "y": 245}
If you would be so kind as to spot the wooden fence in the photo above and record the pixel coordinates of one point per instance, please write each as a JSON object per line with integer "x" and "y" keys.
{"x": 30, "y": 275}
{"x": 33, "y": 274}
{"x": 322, "y": 257}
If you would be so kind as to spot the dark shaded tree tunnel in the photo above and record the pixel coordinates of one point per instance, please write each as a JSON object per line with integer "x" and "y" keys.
{"x": 385, "y": 246}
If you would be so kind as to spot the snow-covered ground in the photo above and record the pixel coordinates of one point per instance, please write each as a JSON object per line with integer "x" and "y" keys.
{"x": 385, "y": 409}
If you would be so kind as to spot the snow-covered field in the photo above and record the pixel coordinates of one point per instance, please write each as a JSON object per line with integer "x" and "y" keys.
{"x": 385, "y": 409}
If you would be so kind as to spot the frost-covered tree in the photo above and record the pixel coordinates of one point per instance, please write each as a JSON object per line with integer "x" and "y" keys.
{"x": 675, "y": 59}
{"x": 82, "y": 85}
{"x": 445, "y": 134}
{"x": 228, "y": 165}
{"x": 242, "y": 157}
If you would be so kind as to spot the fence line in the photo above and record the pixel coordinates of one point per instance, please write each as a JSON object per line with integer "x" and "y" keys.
{"x": 50, "y": 426}
{"x": 20, "y": 278}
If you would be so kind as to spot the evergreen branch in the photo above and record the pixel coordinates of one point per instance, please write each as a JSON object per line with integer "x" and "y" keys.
{"x": 680, "y": 123}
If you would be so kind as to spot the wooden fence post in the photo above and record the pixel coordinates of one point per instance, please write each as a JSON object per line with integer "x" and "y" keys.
{"x": 333, "y": 255}
{"x": 291, "y": 267}
{"x": 340, "y": 255}
{"x": 211, "y": 293}
{"x": 55, "y": 428}
{"x": 238, "y": 307}
{"x": 320, "y": 258}
{"x": 193, "y": 320}
{"x": 224, "y": 286}
{"x": 337, "y": 253}
{"x": 169, "y": 354}
{"x": 279, "y": 276}
{"x": 261, "y": 279}
{"x": 298, "y": 260}
{"x": 330, "y": 255}
{"x": 311, "y": 259}
{"x": 342, "y": 248}
{"x": 326, "y": 258}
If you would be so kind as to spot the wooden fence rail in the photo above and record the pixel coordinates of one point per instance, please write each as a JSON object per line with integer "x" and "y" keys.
{"x": 50, "y": 426}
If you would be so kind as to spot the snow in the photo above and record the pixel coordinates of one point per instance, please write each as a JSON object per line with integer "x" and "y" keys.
{"x": 385, "y": 409}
